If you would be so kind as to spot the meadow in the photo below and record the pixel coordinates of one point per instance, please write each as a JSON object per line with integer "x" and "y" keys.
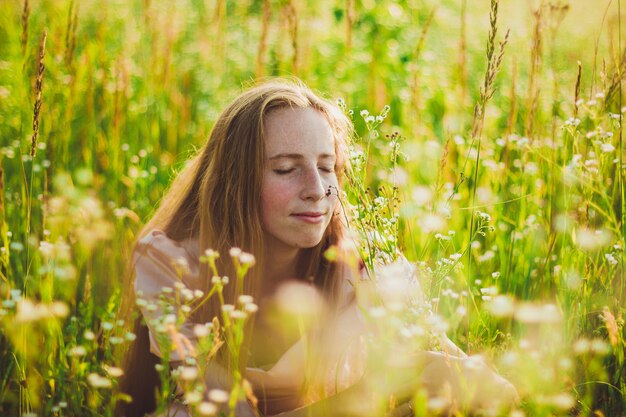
{"x": 488, "y": 151}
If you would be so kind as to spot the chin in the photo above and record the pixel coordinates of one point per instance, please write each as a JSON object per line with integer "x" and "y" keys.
{"x": 309, "y": 243}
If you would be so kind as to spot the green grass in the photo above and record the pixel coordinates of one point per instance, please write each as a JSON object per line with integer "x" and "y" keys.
{"x": 535, "y": 284}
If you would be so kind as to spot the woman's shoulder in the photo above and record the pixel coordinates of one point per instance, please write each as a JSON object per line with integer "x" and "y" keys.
{"x": 157, "y": 243}
{"x": 161, "y": 261}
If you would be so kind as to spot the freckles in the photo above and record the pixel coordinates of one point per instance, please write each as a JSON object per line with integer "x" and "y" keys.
{"x": 276, "y": 194}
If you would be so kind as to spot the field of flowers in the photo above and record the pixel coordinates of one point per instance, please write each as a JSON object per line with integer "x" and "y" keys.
{"x": 488, "y": 152}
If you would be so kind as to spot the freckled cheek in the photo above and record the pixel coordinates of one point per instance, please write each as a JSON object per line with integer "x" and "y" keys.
{"x": 276, "y": 197}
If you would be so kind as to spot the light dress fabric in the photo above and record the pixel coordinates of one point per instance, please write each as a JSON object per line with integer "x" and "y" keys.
{"x": 161, "y": 262}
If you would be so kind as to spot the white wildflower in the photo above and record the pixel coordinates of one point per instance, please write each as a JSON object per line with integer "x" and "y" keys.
{"x": 98, "y": 381}
{"x": 113, "y": 371}
{"x": 201, "y": 330}
{"x": 432, "y": 223}
{"x": 245, "y": 299}
{"x": 251, "y": 308}
{"x": 456, "y": 256}
{"x": 169, "y": 319}
{"x": 77, "y": 351}
{"x": 227, "y": 308}
{"x": 207, "y": 409}
{"x": 238, "y": 315}
{"x": 607, "y": 147}
{"x": 189, "y": 373}
{"x": 193, "y": 397}
{"x": 247, "y": 258}
{"x": 590, "y": 240}
{"x": 537, "y": 313}
{"x": 501, "y": 306}
{"x": 218, "y": 396}
{"x": 611, "y": 259}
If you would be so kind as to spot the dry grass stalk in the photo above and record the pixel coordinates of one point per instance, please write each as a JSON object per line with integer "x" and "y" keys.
{"x": 439, "y": 182}
{"x": 116, "y": 95}
{"x": 68, "y": 31}
{"x": 532, "y": 110}
{"x": 38, "y": 95}
{"x": 220, "y": 12}
{"x": 70, "y": 34}
{"x": 420, "y": 43}
{"x": 510, "y": 122}
{"x": 415, "y": 96}
{"x": 463, "y": 74}
{"x": 494, "y": 60}
{"x": 615, "y": 83}
{"x": 493, "y": 65}
{"x": 603, "y": 75}
{"x": 219, "y": 19}
{"x": 265, "y": 28}
{"x": 489, "y": 89}
{"x": 147, "y": 15}
{"x": 170, "y": 39}
{"x": 50, "y": 157}
{"x": 45, "y": 198}
{"x": 24, "y": 37}
{"x": 577, "y": 88}
{"x": 292, "y": 27}
{"x": 350, "y": 14}
{"x": 612, "y": 328}
{"x": 2, "y": 214}
{"x": 535, "y": 65}
{"x": 596, "y": 48}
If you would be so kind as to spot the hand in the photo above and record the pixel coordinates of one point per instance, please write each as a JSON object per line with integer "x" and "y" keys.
{"x": 466, "y": 383}
{"x": 458, "y": 383}
{"x": 403, "y": 410}
{"x": 244, "y": 409}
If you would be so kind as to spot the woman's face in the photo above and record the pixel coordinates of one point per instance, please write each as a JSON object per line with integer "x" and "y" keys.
{"x": 299, "y": 168}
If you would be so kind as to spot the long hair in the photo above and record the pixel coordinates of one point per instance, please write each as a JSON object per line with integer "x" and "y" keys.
{"x": 216, "y": 200}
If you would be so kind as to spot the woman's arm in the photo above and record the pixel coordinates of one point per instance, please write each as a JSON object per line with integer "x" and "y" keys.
{"x": 464, "y": 383}
{"x": 448, "y": 347}
{"x": 338, "y": 405}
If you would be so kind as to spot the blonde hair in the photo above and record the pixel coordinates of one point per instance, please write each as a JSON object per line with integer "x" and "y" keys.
{"x": 216, "y": 197}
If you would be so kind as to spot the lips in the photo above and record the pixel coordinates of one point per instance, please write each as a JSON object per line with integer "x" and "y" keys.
{"x": 310, "y": 216}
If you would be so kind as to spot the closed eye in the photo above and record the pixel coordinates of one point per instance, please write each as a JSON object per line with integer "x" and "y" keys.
{"x": 327, "y": 169}
{"x": 283, "y": 171}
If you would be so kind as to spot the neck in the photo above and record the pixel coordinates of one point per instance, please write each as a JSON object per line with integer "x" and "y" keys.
{"x": 281, "y": 265}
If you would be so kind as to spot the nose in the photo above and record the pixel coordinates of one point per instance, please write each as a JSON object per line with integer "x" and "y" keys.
{"x": 312, "y": 186}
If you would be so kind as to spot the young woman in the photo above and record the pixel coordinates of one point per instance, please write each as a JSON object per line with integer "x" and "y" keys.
{"x": 267, "y": 181}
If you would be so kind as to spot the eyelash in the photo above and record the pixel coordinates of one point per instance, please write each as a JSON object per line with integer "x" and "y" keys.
{"x": 283, "y": 171}
{"x": 287, "y": 171}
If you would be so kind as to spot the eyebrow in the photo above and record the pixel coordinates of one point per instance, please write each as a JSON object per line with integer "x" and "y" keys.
{"x": 300, "y": 156}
